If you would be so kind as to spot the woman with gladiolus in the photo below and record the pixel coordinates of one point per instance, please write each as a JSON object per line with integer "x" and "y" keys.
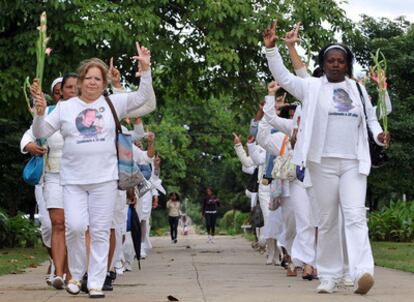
{"x": 89, "y": 169}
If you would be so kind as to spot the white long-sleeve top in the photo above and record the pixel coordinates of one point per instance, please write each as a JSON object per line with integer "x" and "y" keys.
{"x": 88, "y": 129}
{"x": 314, "y": 119}
{"x": 258, "y": 155}
{"x": 245, "y": 160}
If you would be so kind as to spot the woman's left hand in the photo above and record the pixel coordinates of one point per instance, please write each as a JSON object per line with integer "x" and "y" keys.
{"x": 384, "y": 138}
{"x": 143, "y": 58}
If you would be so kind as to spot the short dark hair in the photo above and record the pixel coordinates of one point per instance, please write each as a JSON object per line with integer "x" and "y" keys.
{"x": 349, "y": 56}
{"x": 284, "y": 111}
{"x": 68, "y": 76}
{"x": 176, "y": 195}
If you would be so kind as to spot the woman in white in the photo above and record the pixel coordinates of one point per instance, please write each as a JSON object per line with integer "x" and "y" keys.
{"x": 89, "y": 169}
{"x": 333, "y": 145}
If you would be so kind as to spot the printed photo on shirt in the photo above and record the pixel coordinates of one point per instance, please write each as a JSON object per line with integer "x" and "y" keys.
{"x": 342, "y": 101}
{"x": 89, "y": 123}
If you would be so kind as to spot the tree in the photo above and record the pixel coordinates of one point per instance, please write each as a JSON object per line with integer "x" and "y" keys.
{"x": 395, "y": 38}
{"x": 208, "y": 67}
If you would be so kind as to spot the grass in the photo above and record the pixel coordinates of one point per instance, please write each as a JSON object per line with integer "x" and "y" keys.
{"x": 16, "y": 260}
{"x": 396, "y": 255}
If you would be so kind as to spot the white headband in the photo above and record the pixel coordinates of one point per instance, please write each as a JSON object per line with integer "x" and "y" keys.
{"x": 335, "y": 46}
{"x": 56, "y": 81}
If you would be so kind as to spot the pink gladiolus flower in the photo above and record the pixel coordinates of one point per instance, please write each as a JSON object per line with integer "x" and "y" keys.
{"x": 48, "y": 51}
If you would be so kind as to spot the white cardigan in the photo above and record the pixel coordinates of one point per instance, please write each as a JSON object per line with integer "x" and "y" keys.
{"x": 307, "y": 90}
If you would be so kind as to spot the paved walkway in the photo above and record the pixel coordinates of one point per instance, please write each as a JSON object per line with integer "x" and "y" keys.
{"x": 195, "y": 271}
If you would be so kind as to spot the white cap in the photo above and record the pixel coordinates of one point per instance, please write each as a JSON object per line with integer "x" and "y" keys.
{"x": 56, "y": 81}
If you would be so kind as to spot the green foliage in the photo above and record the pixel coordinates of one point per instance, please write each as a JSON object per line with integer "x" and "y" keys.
{"x": 232, "y": 221}
{"x": 393, "y": 223}
{"x": 17, "y": 231}
{"x": 208, "y": 68}
{"x": 395, "y": 38}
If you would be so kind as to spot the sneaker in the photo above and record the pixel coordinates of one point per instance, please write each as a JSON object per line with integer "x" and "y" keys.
{"x": 84, "y": 283}
{"x": 175, "y": 241}
{"x": 363, "y": 283}
{"x": 73, "y": 287}
{"x": 347, "y": 281}
{"x": 95, "y": 293}
{"x": 58, "y": 282}
{"x": 120, "y": 270}
{"x": 327, "y": 287}
{"x": 107, "y": 286}
{"x": 212, "y": 240}
{"x": 143, "y": 253}
{"x": 49, "y": 278}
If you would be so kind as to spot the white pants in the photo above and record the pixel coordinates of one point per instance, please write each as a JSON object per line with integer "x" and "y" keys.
{"x": 337, "y": 182}
{"x": 289, "y": 224}
{"x": 303, "y": 248}
{"x": 44, "y": 218}
{"x": 119, "y": 221}
{"x": 91, "y": 205}
{"x": 264, "y": 198}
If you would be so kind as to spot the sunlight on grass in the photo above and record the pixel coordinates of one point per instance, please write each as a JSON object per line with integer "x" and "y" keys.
{"x": 397, "y": 255}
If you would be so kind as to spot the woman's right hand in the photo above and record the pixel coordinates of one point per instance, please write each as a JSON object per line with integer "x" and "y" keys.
{"x": 34, "y": 149}
{"x": 292, "y": 37}
{"x": 269, "y": 35}
{"x": 39, "y": 98}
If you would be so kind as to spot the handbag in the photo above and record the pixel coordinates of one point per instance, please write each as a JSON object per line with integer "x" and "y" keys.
{"x": 377, "y": 153}
{"x": 252, "y": 184}
{"x": 276, "y": 189}
{"x": 128, "y": 172}
{"x": 33, "y": 170}
{"x": 256, "y": 216}
{"x": 283, "y": 167}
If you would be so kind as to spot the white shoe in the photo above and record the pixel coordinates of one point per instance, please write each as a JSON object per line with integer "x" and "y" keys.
{"x": 327, "y": 286}
{"x": 347, "y": 281}
{"x": 58, "y": 282}
{"x": 73, "y": 287}
{"x": 119, "y": 270}
{"x": 212, "y": 240}
{"x": 143, "y": 253}
{"x": 96, "y": 293}
{"x": 363, "y": 283}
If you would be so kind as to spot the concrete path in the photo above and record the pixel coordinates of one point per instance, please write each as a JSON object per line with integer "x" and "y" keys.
{"x": 195, "y": 271}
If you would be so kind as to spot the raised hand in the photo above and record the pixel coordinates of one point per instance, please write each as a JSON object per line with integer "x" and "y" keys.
{"x": 143, "y": 58}
{"x": 114, "y": 76}
{"x": 236, "y": 139}
{"x": 38, "y": 97}
{"x": 292, "y": 36}
{"x": 269, "y": 35}
{"x": 272, "y": 88}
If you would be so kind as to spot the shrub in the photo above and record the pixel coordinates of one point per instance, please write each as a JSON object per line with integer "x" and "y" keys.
{"x": 17, "y": 231}
{"x": 393, "y": 223}
{"x": 232, "y": 221}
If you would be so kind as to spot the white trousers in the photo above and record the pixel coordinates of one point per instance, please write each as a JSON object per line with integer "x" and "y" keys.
{"x": 91, "y": 205}
{"x": 289, "y": 224}
{"x": 44, "y": 218}
{"x": 337, "y": 183}
{"x": 274, "y": 227}
{"x": 264, "y": 198}
{"x": 304, "y": 245}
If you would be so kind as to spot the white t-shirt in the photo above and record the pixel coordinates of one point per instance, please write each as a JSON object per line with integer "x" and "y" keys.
{"x": 344, "y": 119}
{"x": 88, "y": 129}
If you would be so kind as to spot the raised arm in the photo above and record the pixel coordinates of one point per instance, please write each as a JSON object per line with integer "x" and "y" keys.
{"x": 145, "y": 92}
{"x": 291, "y": 83}
{"x": 241, "y": 153}
{"x": 41, "y": 128}
{"x": 270, "y": 116}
